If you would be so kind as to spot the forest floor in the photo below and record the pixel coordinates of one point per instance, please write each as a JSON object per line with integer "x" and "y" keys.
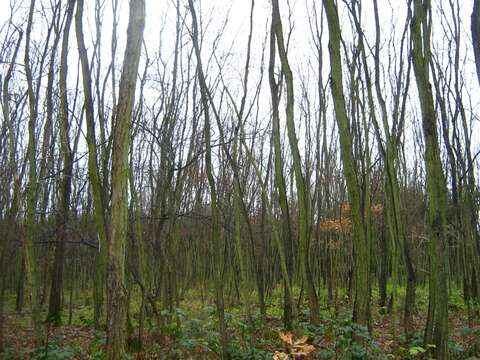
{"x": 191, "y": 333}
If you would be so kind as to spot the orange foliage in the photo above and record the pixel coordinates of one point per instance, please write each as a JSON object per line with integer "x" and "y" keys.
{"x": 377, "y": 209}
{"x": 295, "y": 348}
{"x": 345, "y": 208}
{"x": 343, "y": 225}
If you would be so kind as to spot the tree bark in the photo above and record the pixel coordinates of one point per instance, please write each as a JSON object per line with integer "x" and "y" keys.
{"x": 215, "y": 229}
{"x": 361, "y": 307}
{"x": 280, "y": 185}
{"x": 117, "y": 299}
{"x": 99, "y": 202}
{"x": 28, "y": 245}
{"x": 55, "y": 305}
{"x": 436, "y": 330}
{"x": 302, "y": 193}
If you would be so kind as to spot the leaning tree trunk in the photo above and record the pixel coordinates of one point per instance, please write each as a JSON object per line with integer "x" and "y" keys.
{"x": 280, "y": 185}
{"x": 215, "y": 231}
{"x": 361, "y": 307}
{"x": 302, "y": 192}
{"x": 99, "y": 203}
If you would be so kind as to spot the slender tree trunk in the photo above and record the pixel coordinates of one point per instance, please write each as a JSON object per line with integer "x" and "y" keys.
{"x": 302, "y": 193}
{"x": 215, "y": 219}
{"x": 117, "y": 299}
{"x": 28, "y": 245}
{"x": 99, "y": 202}
{"x": 280, "y": 184}
{"x": 55, "y": 305}
{"x": 436, "y": 330}
{"x": 20, "y": 298}
{"x": 12, "y": 214}
{"x": 361, "y": 309}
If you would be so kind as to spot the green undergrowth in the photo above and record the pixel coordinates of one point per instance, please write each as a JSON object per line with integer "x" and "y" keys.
{"x": 191, "y": 331}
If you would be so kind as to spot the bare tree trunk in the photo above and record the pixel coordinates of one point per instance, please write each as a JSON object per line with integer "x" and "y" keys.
{"x": 99, "y": 202}
{"x": 302, "y": 192}
{"x": 117, "y": 299}
{"x": 55, "y": 305}
{"x": 215, "y": 231}
{"x": 280, "y": 185}
{"x": 361, "y": 309}
{"x": 436, "y": 330}
{"x": 30, "y": 259}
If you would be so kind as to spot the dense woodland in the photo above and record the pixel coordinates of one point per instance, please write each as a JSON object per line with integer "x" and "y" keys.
{"x": 304, "y": 187}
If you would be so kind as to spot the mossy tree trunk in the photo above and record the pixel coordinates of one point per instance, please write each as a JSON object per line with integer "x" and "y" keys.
{"x": 30, "y": 221}
{"x": 302, "y": 193}
{"x": 361, "y": 308}
{"x": 280, "y": 185}
{"x": 99, "y": 202}
{"x": 436, "y": 330}
{"x": 55, "y": 304}
{"x": 117, "y": 292}
{"x": 218, "y": 246}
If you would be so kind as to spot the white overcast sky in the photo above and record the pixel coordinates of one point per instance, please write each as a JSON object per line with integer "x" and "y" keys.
{"x": 161, "y": 14}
